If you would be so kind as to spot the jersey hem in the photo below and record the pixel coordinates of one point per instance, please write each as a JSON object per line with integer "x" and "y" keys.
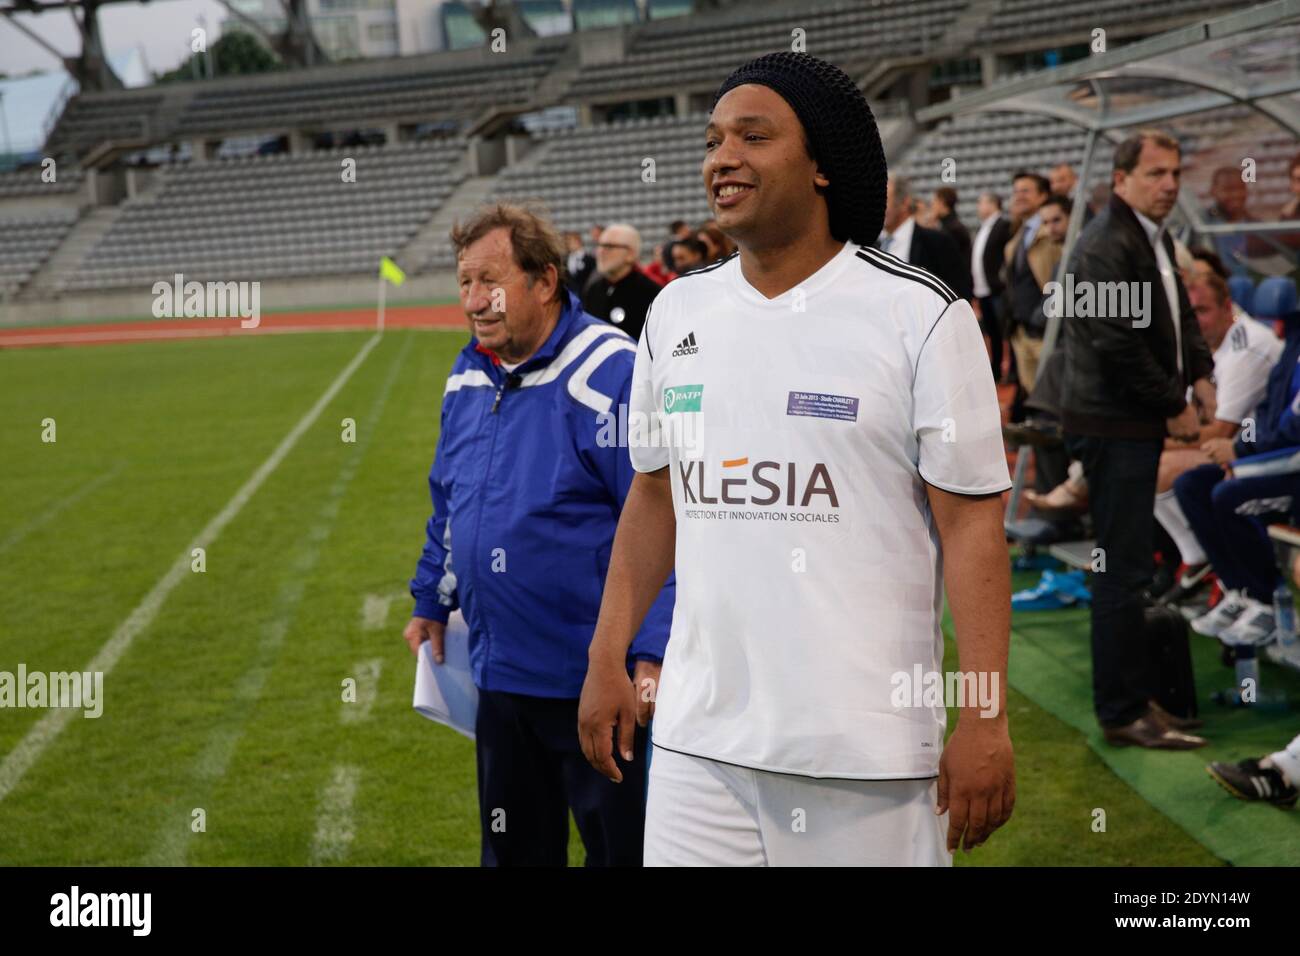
{"x": 798, "y": 773}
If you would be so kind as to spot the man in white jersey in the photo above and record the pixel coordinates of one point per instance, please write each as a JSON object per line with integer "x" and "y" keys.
{"x": 1244, "y": 353}
{"x": 832, "y": 460}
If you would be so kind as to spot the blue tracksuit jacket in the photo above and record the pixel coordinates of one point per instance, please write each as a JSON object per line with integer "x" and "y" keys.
{"x": 526, "y": 497}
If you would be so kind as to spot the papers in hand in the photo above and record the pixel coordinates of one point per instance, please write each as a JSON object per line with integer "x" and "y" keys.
{"x": 445, "y": 692}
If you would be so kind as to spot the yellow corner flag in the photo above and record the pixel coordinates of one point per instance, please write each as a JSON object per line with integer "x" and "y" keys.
{"x": 390, "y": 270}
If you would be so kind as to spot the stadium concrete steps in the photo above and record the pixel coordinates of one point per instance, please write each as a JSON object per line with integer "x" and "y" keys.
{"x": 896, "y": 136}
{"x": 428, "y": 247}
{"x": 555, "y": 85}
{"x": 959, "y": 38}
{"x": 88, "y": 231}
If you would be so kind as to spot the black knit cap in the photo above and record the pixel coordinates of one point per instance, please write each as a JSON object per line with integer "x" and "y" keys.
{"x": 841, "y": 130}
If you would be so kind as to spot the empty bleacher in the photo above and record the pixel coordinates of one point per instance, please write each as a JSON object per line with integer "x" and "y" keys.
{"x": 594, "y": 174}
{"x": 436, "y": 92}
{"x": 91, "y": 118}
{"x": 26, "y": 242}
{"x": 988, "y": 148}
{"x": 275, "y": 216}
{"x": 1016, "y": 20}
{"x": 27, "y": 183}
{"x": 692, "y": 52}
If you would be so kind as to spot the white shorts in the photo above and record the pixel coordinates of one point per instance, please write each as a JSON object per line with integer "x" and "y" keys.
{"x": 702, "y": 812}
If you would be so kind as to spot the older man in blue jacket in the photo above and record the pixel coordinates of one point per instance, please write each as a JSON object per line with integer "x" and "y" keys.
{"x": 527, "y": 489}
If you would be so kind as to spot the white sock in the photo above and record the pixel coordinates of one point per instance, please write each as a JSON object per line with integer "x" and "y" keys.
{"x": 1170, "y": 515}
{"x": 1288, "y": 762}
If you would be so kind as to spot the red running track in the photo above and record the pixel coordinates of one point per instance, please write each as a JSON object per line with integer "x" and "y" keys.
{"x": 345, "y": 320}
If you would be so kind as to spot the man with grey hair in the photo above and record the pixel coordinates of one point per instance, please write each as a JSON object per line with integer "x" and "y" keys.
{"x": 622, "y": 293}
{"x": 931, "y": 249}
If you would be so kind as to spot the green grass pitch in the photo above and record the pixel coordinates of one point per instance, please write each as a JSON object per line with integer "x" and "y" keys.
{"x": 230, "y": 700}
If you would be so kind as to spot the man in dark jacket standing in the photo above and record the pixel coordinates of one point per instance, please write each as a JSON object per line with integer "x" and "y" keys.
{"x": 944, "y": 205}
{"x": 620, "y": 293}
{"x": 1132, "y": 349}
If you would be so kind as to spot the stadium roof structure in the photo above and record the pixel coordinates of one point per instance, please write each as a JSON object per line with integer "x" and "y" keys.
{"x": 1225, "y": 87}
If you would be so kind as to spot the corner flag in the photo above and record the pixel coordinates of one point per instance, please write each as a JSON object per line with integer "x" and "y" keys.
{"x": 391, "y": 271}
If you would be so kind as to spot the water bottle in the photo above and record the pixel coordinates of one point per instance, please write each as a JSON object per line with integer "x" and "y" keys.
{"x": 1284, "y": 615}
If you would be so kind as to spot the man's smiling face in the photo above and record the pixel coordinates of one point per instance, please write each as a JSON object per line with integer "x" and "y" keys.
{"x": 759, "y": 176}
{"x": 506, "y": 308}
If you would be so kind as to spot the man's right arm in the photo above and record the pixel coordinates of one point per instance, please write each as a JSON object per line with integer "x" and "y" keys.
{"x": 434, "y": 584}
{"x": 643, "y": 555}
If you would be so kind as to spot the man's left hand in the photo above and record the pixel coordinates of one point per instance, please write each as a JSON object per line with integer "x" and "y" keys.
{"x": 977, "y": 780}
{"x": 645, "y": 680}
{"x": 1220, "y": 451}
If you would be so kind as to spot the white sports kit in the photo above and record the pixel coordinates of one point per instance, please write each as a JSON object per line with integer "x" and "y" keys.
{"x": 800, "y": 433}
{"x": 1241, "y": 366}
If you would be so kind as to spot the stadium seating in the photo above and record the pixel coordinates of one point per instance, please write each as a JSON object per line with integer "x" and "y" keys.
{"x": 344, "y": 94}
{"x": 89, "y": 119}
{"x": 987, "y": 148}
{"x": 692, "y": 52}
{"x": 594, "y": 174}
{"x": 1016, "y": 20}
{"x": 275, "y": 216}
{"x": 25, "y": 243}
{"x": 28, "y": 183}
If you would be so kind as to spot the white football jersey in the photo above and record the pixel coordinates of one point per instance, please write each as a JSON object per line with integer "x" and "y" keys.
{"x": 1241, "y": 366}
{"x": 800, "y": 433}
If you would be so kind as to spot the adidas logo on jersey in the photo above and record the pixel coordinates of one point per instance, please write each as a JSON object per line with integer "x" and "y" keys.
{"x": 686, "y": 346}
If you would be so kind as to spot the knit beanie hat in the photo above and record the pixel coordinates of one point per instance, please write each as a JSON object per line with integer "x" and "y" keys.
{"x": 841, "y": 131}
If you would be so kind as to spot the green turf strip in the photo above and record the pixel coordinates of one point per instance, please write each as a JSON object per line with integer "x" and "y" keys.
{"x": 1051, "y": 665}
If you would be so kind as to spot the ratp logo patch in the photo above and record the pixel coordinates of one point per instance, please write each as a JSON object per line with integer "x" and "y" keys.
{"x": 683, "y": 398}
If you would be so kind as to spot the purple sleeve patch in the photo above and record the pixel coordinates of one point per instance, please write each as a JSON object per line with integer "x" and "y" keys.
{"x": 820, "y": 405}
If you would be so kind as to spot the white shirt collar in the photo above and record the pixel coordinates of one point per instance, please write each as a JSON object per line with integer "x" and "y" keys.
{"x": 1155, "y": 233}
{"x": 902, "y": 237}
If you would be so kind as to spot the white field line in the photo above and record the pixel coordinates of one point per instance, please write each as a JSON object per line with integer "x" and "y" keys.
{"x": 334, "y": 830}
{"x": 374, "y": 609}
{"x": 44, "y": 731}
{"x": 367, "y": 678}
{"x": 171, "y": 847}
{"x": 54, "y": 510}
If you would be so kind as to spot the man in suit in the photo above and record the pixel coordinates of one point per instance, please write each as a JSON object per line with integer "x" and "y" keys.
{"x": 1128, "y": 372}
{"x": 579, "y": 264}
{"x": 986, "y": 254}
{"x": 944, "y": 206}
{"x": 931, "y": 249}
{"x": 1031, "y": 258}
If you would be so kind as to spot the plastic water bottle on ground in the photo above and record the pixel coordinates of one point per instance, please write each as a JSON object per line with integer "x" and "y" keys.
{"x": 1284, "y": 615}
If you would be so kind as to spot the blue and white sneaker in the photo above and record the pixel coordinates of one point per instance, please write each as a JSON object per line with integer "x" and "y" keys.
{"x": 1222, "y": 616}
{"x": 1254, "y": 627}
